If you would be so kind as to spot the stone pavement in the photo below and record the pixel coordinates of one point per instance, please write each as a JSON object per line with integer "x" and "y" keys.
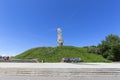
{"x": 60, "y": 78}
{"x": 59, "y": 69}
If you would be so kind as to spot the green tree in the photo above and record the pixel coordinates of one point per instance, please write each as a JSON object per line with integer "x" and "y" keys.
{"x": 116, "y": 52}
{"x": 109, "y": 47}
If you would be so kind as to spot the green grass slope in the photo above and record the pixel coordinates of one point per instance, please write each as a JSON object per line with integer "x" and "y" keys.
{"x": 55, "y": 54}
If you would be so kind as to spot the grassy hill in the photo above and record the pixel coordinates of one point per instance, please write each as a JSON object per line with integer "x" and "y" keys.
{"x": 55, "y": 54}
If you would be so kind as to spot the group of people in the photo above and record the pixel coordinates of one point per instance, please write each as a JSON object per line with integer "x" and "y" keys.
{"x": 74, "y": 60}
{"x": 4, "y": 58}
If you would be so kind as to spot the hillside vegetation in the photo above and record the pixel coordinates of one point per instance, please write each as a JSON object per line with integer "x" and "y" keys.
{"x": 55, "y": 54}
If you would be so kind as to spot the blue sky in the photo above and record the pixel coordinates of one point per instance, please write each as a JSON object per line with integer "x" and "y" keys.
{"x": 26, "y": 24}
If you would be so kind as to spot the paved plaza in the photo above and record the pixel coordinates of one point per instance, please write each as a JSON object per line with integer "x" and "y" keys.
{"x": 59, "y": 71}
{"x": 59, "y": 78}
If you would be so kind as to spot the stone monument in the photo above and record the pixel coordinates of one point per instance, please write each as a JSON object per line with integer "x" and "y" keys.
{"x": 60, "y": 40}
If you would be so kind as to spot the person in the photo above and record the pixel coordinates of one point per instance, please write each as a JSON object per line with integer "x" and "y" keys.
{"x": 7, "y": 58}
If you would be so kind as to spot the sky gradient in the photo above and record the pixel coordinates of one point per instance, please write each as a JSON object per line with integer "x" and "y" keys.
{"x": 26, "y": 24}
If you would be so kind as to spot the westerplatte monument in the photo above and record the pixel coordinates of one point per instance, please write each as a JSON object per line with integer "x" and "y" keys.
{"x": 60, "y": 40}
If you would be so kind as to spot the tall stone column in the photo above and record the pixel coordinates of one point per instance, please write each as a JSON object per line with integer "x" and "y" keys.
{"x": 60, "y": 40}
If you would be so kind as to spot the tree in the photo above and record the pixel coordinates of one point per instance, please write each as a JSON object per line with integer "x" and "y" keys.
{"x": 116, "y": 52}
{"x": 109, "y": 48}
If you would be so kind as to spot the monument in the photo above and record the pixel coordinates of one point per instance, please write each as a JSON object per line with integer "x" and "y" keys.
{"x": 60, "y": 40}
